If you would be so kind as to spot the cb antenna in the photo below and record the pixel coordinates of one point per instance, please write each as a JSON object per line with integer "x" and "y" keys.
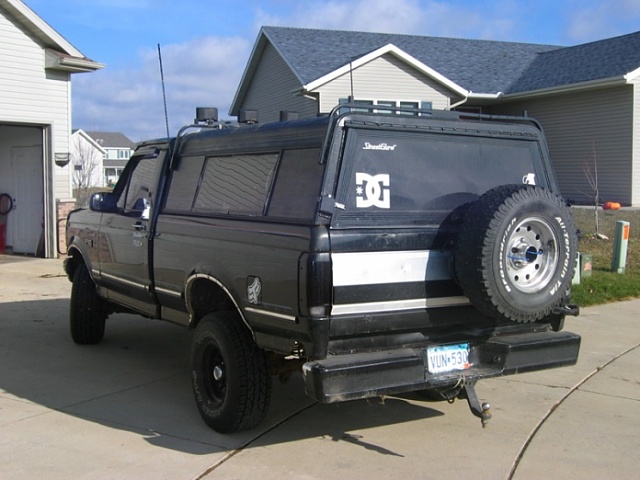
{"x": 164, "y": 95}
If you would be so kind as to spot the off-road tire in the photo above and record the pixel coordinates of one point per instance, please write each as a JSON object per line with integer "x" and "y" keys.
{"x": 516, "y": 251}
{"x": 88, "y": 311}
{"x": 230, "y": 378}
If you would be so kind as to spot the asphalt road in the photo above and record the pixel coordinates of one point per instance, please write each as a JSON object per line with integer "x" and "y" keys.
{"x": 123, "y": 409}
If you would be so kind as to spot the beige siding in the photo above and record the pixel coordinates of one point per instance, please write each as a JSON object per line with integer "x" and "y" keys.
{"x": 576, "y": 124}
{"x": 636, "y": 144}
{"x": 385, "y": 78}
{"x": 271, "y": 90}
{"x": 31, "y": 95}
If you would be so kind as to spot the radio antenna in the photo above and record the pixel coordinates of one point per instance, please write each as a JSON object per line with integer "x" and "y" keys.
{"x": 164, "y": 95}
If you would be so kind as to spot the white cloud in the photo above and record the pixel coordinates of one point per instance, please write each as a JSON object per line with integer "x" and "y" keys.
{"x": 597, "y": 20}
{"x": 202, "y": 72}
{"x": 206, "y": 71}
{"x": 414, "y": 17}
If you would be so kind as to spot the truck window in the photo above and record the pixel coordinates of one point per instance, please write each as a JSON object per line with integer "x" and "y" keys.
{"x": 184, "y": 184}
{"x": 297, "y": 185}
{"x": 417, "y": 177}
{"x": 236, "y": 184}
{"x": 139, "y": 184}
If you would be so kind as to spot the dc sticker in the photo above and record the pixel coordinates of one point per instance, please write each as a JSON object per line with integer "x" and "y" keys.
{"x": 373, "y": 190}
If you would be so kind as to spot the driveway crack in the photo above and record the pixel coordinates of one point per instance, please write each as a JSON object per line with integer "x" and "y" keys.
{"x": 555, "y": 406}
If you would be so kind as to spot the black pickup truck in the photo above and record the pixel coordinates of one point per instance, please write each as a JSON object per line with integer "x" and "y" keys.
{"x": 375, "y": 252}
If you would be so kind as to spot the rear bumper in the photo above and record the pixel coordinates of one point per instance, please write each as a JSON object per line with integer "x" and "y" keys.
{"x": 349, "y": 377}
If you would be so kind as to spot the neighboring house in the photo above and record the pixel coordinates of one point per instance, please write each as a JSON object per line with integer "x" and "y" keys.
{"x": 117, "y": 151}
{"x": 87, "y": 157}
{"x": 36, "y": 65}
{"x": 587, "y": 97}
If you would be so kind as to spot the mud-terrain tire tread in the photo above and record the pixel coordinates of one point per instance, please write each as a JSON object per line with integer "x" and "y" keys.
{"x": 477, "y": 253}
{"x": 88, "y": 312}
{"x": 247, "y": 383}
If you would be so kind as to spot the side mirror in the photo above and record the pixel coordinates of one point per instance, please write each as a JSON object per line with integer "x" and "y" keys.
{"x": 143, "y": 206}
{"x": 105, "y": 202}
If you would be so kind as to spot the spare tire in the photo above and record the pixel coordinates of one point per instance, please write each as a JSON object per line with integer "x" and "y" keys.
{"x": 515, "y": 254}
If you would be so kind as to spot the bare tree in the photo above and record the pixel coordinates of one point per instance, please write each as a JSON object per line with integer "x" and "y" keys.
{"x": 85, "y": 161}
{"x": 591, "y": 172}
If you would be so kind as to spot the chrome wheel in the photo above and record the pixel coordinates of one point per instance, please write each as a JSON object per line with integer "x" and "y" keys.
{"x": 531, "y": 255}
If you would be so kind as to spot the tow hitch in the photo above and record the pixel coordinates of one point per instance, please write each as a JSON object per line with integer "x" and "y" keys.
{"x": 479, "y": 410}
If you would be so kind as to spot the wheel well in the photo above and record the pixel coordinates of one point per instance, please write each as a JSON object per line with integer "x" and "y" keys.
{"x": 74, "y": 260}
{"x": 206, "y": 296}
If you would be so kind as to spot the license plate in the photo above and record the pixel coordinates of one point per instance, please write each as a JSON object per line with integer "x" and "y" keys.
{"x": 448, "y": 358}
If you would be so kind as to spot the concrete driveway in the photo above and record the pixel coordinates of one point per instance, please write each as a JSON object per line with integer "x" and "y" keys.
{"x": 124, "y": 409}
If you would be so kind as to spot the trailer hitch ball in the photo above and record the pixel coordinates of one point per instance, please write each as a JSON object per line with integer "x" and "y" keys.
{"x": 482, "y": 411}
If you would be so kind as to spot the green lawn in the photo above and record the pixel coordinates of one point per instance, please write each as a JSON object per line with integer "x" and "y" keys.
{"x": 603, "y": 285}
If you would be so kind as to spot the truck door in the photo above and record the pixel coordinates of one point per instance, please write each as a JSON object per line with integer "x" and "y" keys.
{"x": 125, "y": 235}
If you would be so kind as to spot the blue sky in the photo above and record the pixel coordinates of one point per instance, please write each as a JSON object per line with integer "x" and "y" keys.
{"x": 206, "y": 44}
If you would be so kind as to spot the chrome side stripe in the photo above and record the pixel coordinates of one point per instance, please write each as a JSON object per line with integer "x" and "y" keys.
{"x": 125, "y": 282}
{"x": 270, "y": 314}
{"x": 397, "y": 305}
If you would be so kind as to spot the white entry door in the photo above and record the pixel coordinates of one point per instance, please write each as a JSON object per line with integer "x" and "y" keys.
{"x": 27, "y": 216}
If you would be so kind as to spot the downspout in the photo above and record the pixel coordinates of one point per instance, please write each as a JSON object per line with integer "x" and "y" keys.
{"x": 464, "y": 100}
{"x": 488, "y": 96}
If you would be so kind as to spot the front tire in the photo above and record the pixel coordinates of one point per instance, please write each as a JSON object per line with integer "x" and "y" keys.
{"x": 88, "y": 312}
{"x": 230, "y": 379}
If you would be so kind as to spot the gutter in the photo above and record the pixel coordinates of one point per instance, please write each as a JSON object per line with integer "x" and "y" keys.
{"x": 574, "y": 87}
{"x": 59, "y": 61}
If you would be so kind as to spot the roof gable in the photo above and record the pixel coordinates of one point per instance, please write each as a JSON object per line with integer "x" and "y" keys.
{"x": 468, "y": 67}
{"x": 82, "y": 134}
{"x": 387, "y": 49}
{"x": 111, "y": 139}
{"x": 479, "y": 66}
{"x": 61, "y": 54}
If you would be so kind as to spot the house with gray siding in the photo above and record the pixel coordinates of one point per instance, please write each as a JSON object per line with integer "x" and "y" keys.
{"x": 585, "y": 96}
{"x": 118, "y": 148}
{"x": 36, "y": 65}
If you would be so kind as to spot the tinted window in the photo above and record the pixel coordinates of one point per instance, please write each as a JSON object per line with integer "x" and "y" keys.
{"x": 184, "y": 183}
{"x": 418, "y": 178}
{"x": 140, "y": 182}
{"x": 236, "y": 184}
{"x": 297, "y": 185}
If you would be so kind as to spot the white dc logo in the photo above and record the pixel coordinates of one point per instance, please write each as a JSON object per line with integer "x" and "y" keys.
{"x": 374, "y": 193}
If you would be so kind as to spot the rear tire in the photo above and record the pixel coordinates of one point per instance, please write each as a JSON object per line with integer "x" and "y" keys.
{"x": 516, "y": 251}
{"x": 230, "y": 379}
{"x": 88, "y": 312}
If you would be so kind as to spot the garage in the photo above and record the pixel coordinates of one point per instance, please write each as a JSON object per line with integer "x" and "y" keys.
{"x": 36, "y": 67}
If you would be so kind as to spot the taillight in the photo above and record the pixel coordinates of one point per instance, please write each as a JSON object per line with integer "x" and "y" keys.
{"x": 315, "y": 284}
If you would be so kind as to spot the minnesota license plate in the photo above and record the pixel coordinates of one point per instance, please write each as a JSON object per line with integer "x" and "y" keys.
{"x": 448, "y": 358}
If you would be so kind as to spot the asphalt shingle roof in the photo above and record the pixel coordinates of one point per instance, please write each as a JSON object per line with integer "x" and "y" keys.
{"x": 608, "y": 58}
{"x": 480, "y": 66}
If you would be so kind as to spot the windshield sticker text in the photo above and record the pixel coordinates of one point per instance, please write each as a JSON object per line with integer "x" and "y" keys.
{"x": 380, "y": 146}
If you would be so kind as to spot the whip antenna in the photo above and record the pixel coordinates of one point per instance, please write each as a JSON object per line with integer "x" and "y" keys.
{"x": 164, "y": 95}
